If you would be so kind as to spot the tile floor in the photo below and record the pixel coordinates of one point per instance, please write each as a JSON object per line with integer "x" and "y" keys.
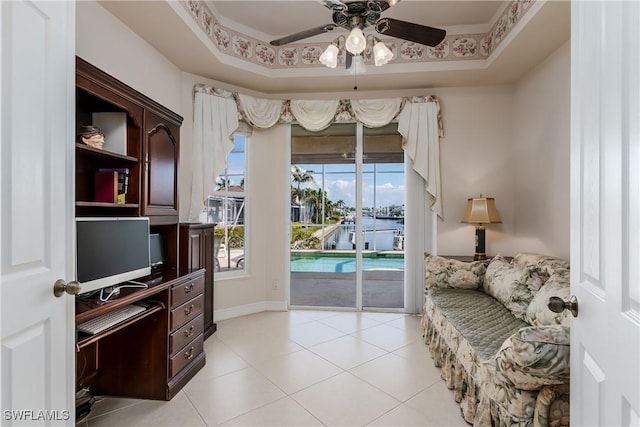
{"x": 304, "y": 368}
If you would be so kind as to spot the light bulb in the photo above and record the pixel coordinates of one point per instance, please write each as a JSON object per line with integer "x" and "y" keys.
{"x": 330, "y": 56}
{"x": 356, "y": 42}
{"x": 381, "y": 53}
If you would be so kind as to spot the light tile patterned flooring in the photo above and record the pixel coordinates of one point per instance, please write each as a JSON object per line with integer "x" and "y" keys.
{"x": 304, "y": 368}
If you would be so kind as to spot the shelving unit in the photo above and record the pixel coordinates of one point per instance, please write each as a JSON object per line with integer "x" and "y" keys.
{"x": 141, "y": 357}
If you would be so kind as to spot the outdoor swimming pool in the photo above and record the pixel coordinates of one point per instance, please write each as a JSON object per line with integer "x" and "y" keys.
{"x": 330, "y": 263}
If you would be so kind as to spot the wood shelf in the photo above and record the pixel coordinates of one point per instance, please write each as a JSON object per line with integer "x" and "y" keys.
{"x": 81, "y": 148}
{"x": 106, "y": 205}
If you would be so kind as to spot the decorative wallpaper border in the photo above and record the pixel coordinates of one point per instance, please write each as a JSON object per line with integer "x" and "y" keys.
{"x": 454, "y": 47}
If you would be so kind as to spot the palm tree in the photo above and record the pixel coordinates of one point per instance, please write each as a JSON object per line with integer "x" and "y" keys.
{"x": 300, "y": 176}
{"x": 221, "y": 183}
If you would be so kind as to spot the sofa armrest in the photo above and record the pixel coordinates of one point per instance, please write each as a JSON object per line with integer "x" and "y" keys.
{"x": 443, "y": 272}
{"x": 534, "y": 357}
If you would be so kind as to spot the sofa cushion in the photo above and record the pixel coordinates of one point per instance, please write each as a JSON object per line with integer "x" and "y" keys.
{"x": 534, "y": 357}
{"x": 538, "y": 268}
{"x": 558, "y": 285}
{"x": 508, "y": 284}
{"x": 443, "y": 272}
{"x": 483, "y": 321}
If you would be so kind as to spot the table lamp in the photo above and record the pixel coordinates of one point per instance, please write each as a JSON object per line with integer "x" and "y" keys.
{"x": 480, "y": 211}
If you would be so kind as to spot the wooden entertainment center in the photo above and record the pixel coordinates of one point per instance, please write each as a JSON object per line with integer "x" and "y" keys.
{"x": 153, "y": 354}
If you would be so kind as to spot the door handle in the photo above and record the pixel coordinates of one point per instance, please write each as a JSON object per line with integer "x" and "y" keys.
{"x": 558, "y": 305}
{"x": 60, "y": 287}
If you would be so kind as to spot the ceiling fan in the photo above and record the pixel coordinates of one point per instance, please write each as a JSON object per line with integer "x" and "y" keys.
{"x": 360, "y": 14}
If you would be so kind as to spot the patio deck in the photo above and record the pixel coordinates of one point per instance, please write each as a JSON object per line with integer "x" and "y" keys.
{"x": 380, "y": 289}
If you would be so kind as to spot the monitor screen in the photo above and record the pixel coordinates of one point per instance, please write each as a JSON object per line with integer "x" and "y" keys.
{"x": 158, "y": 253}
{"x": 110, "y": 251}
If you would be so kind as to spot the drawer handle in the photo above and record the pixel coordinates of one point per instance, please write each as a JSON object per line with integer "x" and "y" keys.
{"x": 189, "y": 354}
{"x": 189, "y": 331}
{"x": 188, "y": 311}
{"x": 188, "y": 289}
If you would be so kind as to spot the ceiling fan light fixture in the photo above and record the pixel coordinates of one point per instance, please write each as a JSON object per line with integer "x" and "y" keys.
{"x": 381, "y": 53}
{"x": 330, "y": 56}
{"x": 356, "y": 42}
{"x": 358, "y": 66}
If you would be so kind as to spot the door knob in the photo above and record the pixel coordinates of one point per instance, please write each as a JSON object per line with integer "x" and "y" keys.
{"x": 60, "y": 287}
{"x": 558, "y": 305}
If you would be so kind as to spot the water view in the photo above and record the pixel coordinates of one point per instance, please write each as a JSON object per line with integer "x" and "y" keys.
{"x": 377, "y": 234}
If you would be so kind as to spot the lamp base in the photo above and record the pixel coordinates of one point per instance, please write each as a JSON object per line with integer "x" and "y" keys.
{"x": 479, "y": 257}
{"x": 480, "y": 243}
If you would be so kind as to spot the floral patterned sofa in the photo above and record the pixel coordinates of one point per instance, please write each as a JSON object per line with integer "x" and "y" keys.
{"x": 501, "y": 349}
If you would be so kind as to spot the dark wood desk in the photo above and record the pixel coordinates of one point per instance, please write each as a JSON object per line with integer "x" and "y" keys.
{"x": 153, "y": 354}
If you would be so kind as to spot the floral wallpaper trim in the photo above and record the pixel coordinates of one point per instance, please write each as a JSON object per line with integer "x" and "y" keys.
{"x": 455, "y": 47}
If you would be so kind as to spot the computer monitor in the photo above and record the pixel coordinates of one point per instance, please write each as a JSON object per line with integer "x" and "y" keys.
{"x": 110, "y": 251}
{"x": 157, "y": 251}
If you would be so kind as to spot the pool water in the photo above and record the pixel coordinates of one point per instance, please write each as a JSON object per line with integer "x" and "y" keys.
{"x": 343, "y": 264}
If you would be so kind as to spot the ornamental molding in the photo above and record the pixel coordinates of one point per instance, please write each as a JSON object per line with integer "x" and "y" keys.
{"x": 455, "y": 47}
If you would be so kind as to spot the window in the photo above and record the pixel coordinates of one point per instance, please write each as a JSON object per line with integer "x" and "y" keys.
{"x": 226, "y": 206}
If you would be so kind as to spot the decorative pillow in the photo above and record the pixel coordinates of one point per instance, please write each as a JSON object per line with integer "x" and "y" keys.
{"x": 508, "y": 284}
{"x": 538, "y": 267}
{"x": 538, "y": 313}
{"x": 534, "y": 357}
{"x": 443, "y": 272}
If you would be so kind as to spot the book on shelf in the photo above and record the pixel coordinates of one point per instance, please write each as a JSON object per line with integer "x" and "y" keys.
{"x": 122, "y": 183}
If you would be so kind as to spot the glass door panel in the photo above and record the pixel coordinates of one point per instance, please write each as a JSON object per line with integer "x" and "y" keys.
{"x": 383, "y": 219}
{"x": 323, "y": 182}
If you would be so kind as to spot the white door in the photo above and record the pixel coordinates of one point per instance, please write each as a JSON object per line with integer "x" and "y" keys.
{"x": 605, "y": 213}
{"x": 37, "y": 159}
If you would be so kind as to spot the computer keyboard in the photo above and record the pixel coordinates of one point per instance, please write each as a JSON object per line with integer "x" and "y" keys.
{"x": 107, "y": 320}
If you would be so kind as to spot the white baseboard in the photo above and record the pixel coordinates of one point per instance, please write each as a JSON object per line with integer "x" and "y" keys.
{"x": 243, "y": 310}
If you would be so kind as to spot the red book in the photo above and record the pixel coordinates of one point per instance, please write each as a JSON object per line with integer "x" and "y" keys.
{"x": 106, "y": 186}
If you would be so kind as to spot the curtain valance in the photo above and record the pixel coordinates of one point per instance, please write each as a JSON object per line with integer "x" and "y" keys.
{"x": 217, "y": 113}
{"x": 316, "y": 115}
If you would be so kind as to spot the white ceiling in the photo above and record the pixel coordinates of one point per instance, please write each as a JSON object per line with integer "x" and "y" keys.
{"x": 186, "y": 46}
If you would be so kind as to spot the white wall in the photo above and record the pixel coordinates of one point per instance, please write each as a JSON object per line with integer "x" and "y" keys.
{"x": 542, "y": 135}
{"x": 104, "y": 41}
{"x": 476, "y": 157}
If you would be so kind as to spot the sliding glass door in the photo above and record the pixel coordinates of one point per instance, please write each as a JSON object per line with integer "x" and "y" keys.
{"x": 347, "y": 216}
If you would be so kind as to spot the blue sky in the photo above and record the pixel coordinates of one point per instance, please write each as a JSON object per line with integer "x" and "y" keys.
{"x": 340, "y": 183}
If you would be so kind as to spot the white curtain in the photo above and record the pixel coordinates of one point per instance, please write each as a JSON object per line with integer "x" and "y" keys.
{"x": 418, "y": 125}
{"x": 214, "y": 121}
{"x": 314, "y": 115}
{"x": 216, "y": 118}
{"x": 375, "y": 113}
{"x": 259, "y": 112}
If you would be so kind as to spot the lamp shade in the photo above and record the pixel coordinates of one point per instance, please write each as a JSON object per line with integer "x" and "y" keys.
{"x": 330, "y": 56}
{"x": 355, "y": 41}
{"x": 381, "y": 53}
{"x": 481, "y": 210}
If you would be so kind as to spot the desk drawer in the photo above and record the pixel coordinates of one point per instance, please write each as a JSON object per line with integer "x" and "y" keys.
{"x": 186, "y": 291}
{"x": 185, "y": 355}
{"x": 186, "y": 333}
{"x": 186, "y": 312}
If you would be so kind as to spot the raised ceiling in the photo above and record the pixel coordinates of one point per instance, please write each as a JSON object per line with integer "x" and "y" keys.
{"x": 179, "y": 31}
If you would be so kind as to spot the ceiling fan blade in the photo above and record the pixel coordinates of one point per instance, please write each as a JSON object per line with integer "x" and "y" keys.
{"x": 335, "y": 5}
{"x": 303, "y": 34}
{"x": 380, "y": 6}
{"x": 422, "y": 34}
{"x": 348, "y": 60}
